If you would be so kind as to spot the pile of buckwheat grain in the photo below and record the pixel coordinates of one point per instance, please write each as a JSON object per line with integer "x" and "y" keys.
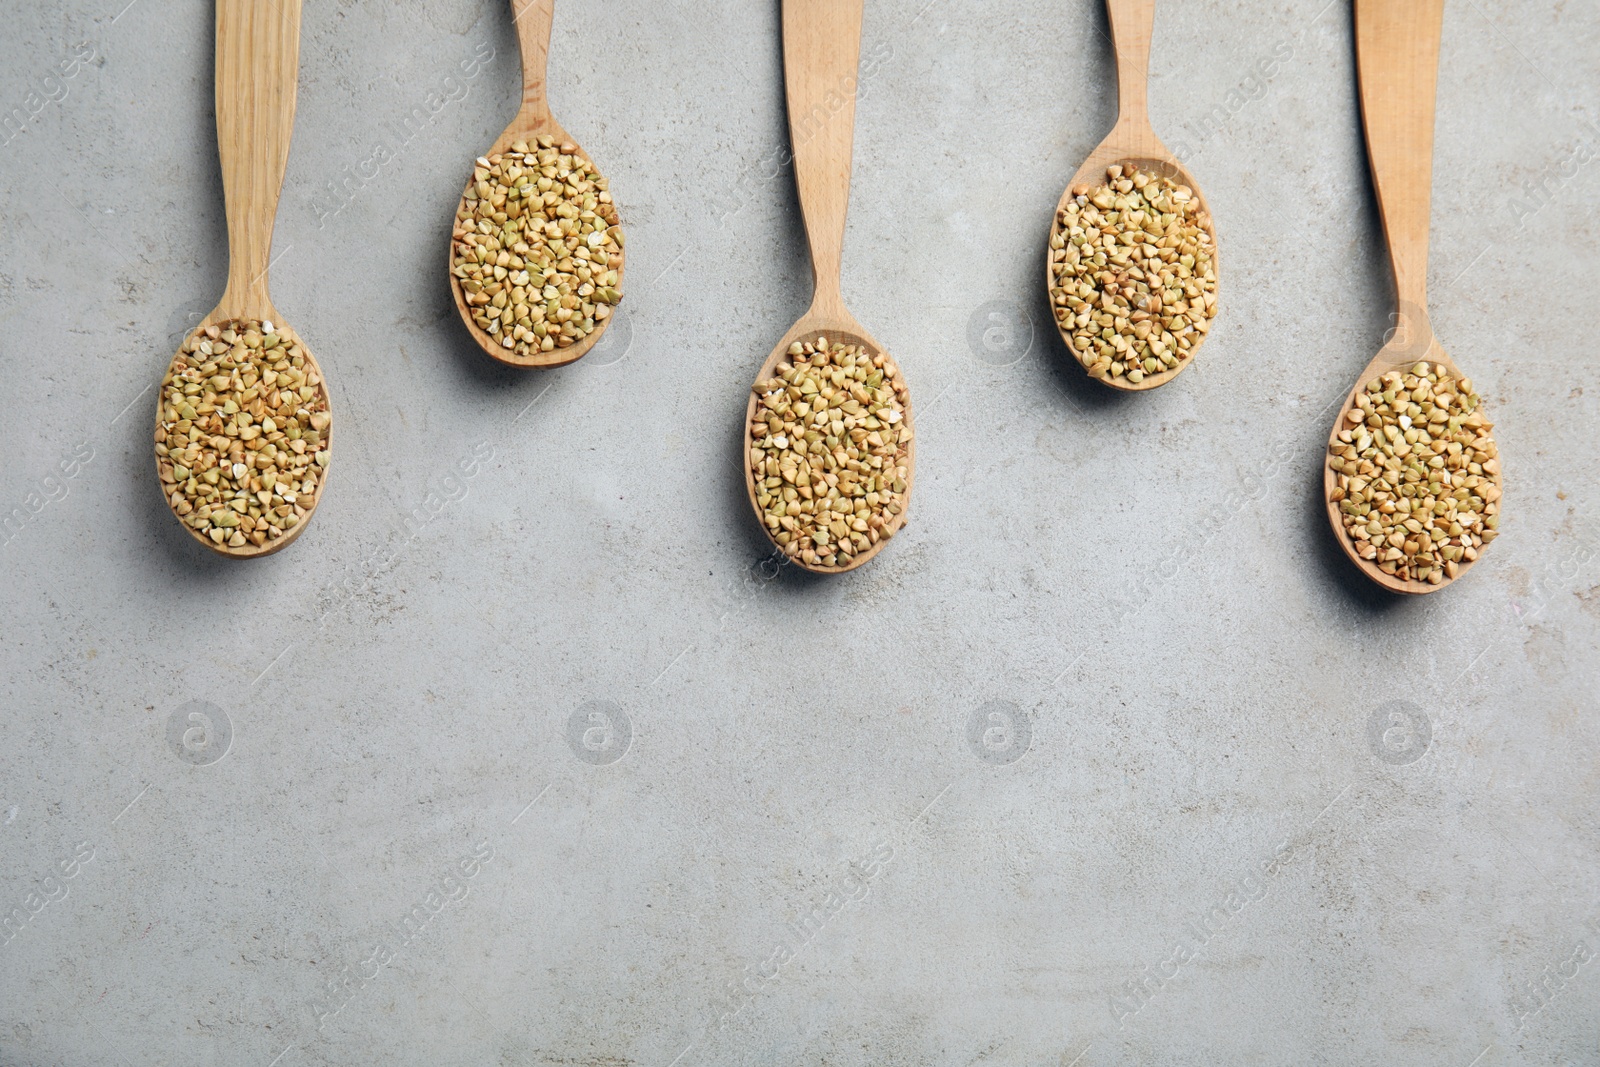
{"x": 1416, "y": 474}
{"x": 1134, "y": 285}
{"x": 537, "y": 247}
{"x": 829, "y": 451}
{"x": 242, "y": 433}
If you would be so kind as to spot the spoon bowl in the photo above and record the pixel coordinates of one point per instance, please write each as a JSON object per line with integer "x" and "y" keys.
{"x": 1413, "y": 343}
{"x": 533, "y": 20}
{"x": 835, "y": 326}
{"x": 257, "y": 68}
{"x": 302, "y": 504}
{"x": 1133, "y": 143}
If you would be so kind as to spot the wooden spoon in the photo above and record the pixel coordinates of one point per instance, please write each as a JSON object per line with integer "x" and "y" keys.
{"x": 532, "y": 19}
{"x": 821, "y": 57}
{"x": 1132, "y": 142}
{"x": 1397, "y": 54}
{"x": 257, "y": 68}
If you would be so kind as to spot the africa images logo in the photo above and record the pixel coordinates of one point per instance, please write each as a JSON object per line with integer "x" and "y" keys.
{"x": 999, "y": 733}
{"x": 199, "y": 732}
{"x": 1399, "y": 732}
{"x": 599, "y": 732}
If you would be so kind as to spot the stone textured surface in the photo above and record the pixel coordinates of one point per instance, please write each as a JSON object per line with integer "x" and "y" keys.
{"x": 1138, "y": 596}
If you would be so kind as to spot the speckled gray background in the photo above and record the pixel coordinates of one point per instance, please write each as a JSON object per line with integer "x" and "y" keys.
{"x": 1111, "y": 758}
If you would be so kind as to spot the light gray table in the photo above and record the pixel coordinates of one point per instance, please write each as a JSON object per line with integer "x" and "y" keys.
{"x": 524, "y": 756}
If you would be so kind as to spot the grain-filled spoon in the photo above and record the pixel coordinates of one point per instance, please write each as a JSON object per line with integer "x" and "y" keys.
{"x": 242, "y": 420}
{"x": 536, "y": 246}
{"x": 1413, "y": 476}
{"x": 1136, "y": 315}
{"x": 828, "y": 440}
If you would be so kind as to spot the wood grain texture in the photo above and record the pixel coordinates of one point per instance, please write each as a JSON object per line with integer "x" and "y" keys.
{"x": 1397, "y": 58}
{"x": 258, "y": 63}
{"x": 257, "y": 74}
{"x": 533, "y": 20}
{"x": 821, "y": 60}
{"x": 1133, "y": 142}
{"x": 1132, "y": 25}
{"x": 1397, "y": 53}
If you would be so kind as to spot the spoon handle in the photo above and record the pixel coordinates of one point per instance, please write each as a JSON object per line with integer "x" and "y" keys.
{"x": 821, "y": 56}
{"x": 1132, "y": 23}
{"x": 258, "y": 64}
{"x": 533, "y": 19}
{"x": 1397, "y": 53}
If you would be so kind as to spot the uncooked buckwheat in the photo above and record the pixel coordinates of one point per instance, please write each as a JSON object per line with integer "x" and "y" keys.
{"x": 242, "y": 433}
{"x": 829, "y": 451}
{"x": 537, "y": 247}
{"x": 1134, "y": 285}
